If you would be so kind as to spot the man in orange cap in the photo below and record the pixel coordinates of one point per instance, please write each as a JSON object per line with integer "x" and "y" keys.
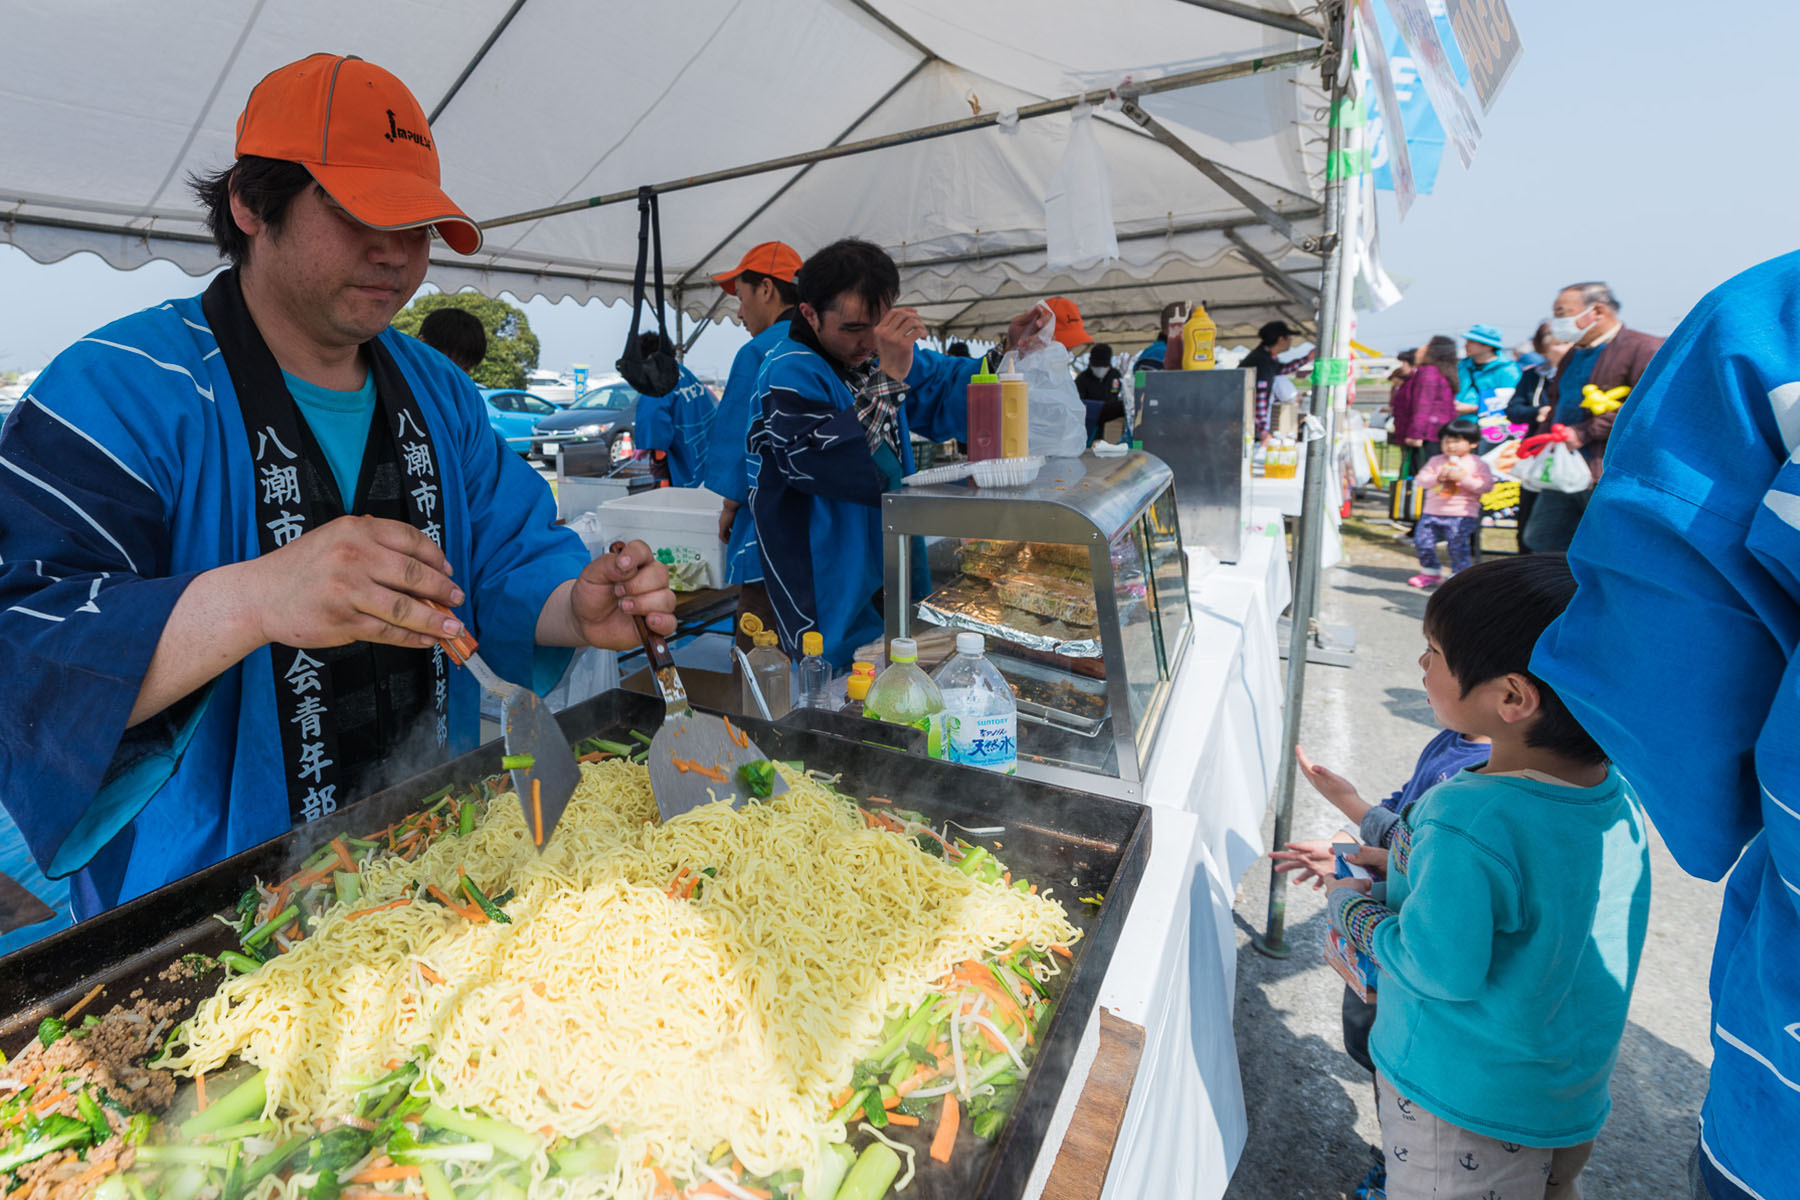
{"x": 1069, "y": 330}
{"x": 763, "y": 282}
{"x": 239, "y": 513}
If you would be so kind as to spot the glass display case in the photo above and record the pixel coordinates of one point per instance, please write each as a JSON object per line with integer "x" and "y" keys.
{"x": 1078, "y": 581}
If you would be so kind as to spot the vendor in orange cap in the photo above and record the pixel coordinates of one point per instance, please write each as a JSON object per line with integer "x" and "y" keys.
{"x": 238, "y": 514}
{"x": 763, "y": 283}
{"x": 1069, "y": 330}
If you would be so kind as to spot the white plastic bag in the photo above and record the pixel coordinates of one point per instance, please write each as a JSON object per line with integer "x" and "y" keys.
{"x": 1058, "y": 419}
{"x": 1078, "y": 211}
{"x": 1504, "y": 461}
{"x": 1557, "y": 469}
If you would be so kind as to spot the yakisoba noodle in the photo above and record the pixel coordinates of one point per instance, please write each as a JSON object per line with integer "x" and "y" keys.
{"x": 606, "y": 1003}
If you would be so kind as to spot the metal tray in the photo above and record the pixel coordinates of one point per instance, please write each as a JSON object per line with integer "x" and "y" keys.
{"x": 1073, "y": 841}
{"x": 1079, "y": 724}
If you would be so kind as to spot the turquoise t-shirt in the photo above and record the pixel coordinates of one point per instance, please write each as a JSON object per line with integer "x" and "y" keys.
{"x": 340, "y": 424}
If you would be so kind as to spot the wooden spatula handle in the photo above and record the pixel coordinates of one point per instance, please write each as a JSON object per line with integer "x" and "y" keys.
{"x": 655, "y": 648}
{"x": 459, "y": 647}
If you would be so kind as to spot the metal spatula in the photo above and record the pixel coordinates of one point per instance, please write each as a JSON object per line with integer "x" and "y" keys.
{"x": 529, "y": 730}
{"x": 694, "y": 757}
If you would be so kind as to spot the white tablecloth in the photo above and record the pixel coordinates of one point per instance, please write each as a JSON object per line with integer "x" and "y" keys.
{"x": 1174, "y": 971}
{"x": 1284, "y": 495}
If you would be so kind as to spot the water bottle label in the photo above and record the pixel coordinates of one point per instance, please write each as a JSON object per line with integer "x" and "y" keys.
{"x": 991, "y": 741}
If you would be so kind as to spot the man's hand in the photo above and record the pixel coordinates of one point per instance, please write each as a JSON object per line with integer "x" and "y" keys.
{"x": 1334, "y": 787}
{"x": 727, "y": 512}
{"x": 614, "y": 589}
{"x": 1308, "y": 861}
{"x": 1413, "y": 441}
{"x": 356, "y": 579}
{"x": 1024, "y": 325}
{"x": 894, "y": 338}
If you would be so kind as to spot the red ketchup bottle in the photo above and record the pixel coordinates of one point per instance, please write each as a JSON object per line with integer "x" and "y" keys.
{"x": 984, "y": 416}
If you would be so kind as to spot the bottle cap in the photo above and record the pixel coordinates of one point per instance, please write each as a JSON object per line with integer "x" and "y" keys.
{"x": 767, "y": 637}
{"x": 863, "y": 668}
{"x": 858, "y": 687}
{"x": 812, "y": 643}
{"x": 1009, "y": 367}
{"x": 903, "y": 650}
{"x": 970, "y": 643}
{"x": 983, "y": 375}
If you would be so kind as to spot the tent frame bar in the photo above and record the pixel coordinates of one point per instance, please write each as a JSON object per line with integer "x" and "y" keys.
{"x": 1132, "y": 285}
{"x": 1261, "y": 16}
{"x": 1169, "y": 83}
{"x": 1212, "y": 225}
{"x": 1213, "y": 171}
{"x": 474, "y": 61}
{"x": 1299, "y": 292}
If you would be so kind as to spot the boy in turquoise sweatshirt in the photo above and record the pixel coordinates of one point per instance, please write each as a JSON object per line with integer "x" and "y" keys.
{"x": 1511, "y": 922}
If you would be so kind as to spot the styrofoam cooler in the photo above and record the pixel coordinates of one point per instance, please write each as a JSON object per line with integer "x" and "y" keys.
{"x": 667, "y": 519}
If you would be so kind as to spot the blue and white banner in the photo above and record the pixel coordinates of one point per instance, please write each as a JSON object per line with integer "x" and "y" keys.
{"x": 1424, "y": 132}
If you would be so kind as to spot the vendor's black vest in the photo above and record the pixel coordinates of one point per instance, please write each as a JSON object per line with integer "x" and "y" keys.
{"x": 358, "y": 716}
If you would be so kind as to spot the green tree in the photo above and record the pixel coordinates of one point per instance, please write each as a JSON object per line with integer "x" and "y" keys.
{"x": 512, "y": 347}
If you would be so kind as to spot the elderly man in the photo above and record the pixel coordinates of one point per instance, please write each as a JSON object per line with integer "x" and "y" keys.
{"x": 1601, "y": 352}
{"x": 232, "y": 519}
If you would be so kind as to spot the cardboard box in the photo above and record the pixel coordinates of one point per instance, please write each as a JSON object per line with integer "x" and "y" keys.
{"x": 1357, "y": 968}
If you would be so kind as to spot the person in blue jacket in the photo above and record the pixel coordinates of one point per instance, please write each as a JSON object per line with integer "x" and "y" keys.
{"x": 677, "y": 427}
{"x": 763, "y": 283}
{"x": 836, "y": 405}
{"x": 228, "y": 518}
{"x": 1678, "y": 654}
{"x": 1488, "y": 379}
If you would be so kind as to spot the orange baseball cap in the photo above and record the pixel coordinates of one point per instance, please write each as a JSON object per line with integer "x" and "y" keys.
{"x": 1069, "y": 330}
{"x": 364, "y": 138}
{"x": 777, "y": 259}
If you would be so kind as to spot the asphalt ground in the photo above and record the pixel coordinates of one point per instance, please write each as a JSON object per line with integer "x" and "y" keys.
{"x": 1311, "y": 1108}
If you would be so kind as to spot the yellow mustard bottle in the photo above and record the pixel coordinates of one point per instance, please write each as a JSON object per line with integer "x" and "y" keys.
{"x": 1015, "y": 410}
{"x": 1197, "y": 337}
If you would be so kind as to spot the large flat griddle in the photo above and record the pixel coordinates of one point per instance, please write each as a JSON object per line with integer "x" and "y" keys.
{"x": 1076, "y": 843}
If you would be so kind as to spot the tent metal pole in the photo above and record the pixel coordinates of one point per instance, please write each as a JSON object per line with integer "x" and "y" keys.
{"x": 1332, "y": 329}
{"x": 1214, "y": 225}
{"x": 1299, "y": 292}
{"x": 1185, "y": 79}
{"x": 1207, "y": 167}
{"x": 781, "y": 191}
{"x": 469, "y": 67}
{"x": 701, "y": 325}
{"x": 1261, "y": 16}
{"x": 1134, "y": 285}
{"x": 680, "y": 343}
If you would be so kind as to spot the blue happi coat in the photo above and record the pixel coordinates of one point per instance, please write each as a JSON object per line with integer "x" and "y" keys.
{"x": 815, "y": 488}
{"x": 679, "y": 424}
{"x": 727, "y": 460}
{"x": 124, "y": 473}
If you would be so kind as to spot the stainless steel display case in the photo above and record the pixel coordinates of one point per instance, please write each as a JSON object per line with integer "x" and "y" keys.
{"x": 1094, "y": 545}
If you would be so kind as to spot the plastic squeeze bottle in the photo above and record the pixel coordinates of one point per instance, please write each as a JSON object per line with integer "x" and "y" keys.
{"x": 985, "y": 418}
{"x": 1015, "y": 409}
{"x": 1197, "y": 336}
{"x": 769, "y": 668}
{"x": 904, "y": 695}
{"x": 981, "y": 720}
{"x": 813, "y": 673}
{"x": 856, "y": 688}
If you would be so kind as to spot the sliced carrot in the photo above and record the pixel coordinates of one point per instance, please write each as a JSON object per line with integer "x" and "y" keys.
{"x": 837, "y": 1101}
{"x": 343, "y": 853}
{"x": 200, "y": 1089}
{"x": 994, "y": 1043}
{"x": 592, "y": 756}
{"x": 663, "y": 1182}
{"x": 900, "y": 1118}
{"x": 94, "y": 1172}
{"x": 58, "y": 1096}
{"x": 363, "y": 912}
{"x": 740, "y": 738}
{"x": 537, "y": 812}
{"x": 879, "y": 800}
{"x": 1061, "y": 950}
{"x": 383, "y": 1174}
{"x": 944, "y": 1140}
{"x": 431, "y": 975}
{"x": 469, "y": 913}
{"x": 82, "y": 1003}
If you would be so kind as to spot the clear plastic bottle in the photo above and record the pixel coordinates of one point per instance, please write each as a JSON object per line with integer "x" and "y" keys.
{"x": 856, "y": 688}
{"x": 813, "y": 675}
{"x": 769, "y": 667}
{"x": 905, "y": 695}
{"x": 981, "y": 719}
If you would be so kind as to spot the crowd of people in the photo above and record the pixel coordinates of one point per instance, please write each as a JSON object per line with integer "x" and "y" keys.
{"x": 241, "y": 523}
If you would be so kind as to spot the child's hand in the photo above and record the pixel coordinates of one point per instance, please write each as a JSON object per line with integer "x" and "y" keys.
{"x": 1334, "y": 787}
{"x": 1307, "y": 860}
{"x": 1372, "y": 857}
{"x": 1361, "y": 885}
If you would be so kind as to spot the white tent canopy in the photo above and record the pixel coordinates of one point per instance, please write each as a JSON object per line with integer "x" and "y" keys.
{"x": 536, "y": 103}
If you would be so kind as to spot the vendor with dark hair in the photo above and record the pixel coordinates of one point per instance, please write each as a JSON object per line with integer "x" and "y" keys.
{"x": 1101, "y": 389}
{"x": 231, "y": 519}
{"x": 1272, "y": 340}
{"x": 836, "y": 404}
{"x": 458, "y": 335}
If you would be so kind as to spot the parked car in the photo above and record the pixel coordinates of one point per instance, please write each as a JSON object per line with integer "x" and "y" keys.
{"x": 605, "y": 413}
{"x": 514, "y": 414}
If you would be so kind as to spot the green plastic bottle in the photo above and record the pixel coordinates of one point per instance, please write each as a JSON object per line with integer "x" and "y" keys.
{"x": 905, "y": 695}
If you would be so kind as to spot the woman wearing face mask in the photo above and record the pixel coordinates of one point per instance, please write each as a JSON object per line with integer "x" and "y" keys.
{"x": 1100, "y": 387}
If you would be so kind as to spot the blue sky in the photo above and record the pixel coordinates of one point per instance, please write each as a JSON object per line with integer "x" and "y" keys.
{"x": 1649, "y": 145}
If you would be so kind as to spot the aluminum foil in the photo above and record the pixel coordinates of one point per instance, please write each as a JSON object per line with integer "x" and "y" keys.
{"x": 973, "y": 605}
